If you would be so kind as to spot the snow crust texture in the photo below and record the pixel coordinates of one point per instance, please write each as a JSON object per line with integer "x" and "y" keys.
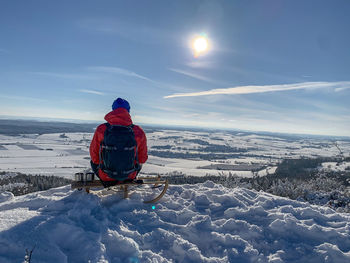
{"x": 192, "y": 223}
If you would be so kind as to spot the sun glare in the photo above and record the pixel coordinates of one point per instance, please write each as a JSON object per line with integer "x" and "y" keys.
{"x": 200, "y": 45}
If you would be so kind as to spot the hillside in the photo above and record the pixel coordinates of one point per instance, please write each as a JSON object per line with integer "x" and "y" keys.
{"x": 193, "y": 223}
{"x": 18, "y": 127}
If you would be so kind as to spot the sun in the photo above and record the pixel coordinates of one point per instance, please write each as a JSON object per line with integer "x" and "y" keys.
{"x": 200, "y": 45}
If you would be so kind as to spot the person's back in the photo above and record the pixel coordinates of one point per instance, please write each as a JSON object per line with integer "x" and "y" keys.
{"x": 117, "y": 143}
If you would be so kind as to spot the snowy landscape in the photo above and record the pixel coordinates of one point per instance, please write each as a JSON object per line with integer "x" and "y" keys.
{"x": 191, "y": 152}
{"x": 222, "y": 219}
{"x": 245, "y": 111}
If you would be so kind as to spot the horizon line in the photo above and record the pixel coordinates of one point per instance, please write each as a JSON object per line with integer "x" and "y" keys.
{"x": 80, "y": 121}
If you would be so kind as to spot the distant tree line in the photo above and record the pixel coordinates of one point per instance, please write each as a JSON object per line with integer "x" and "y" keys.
{"x": 21, "y": 184}
{"x": 170, "y": 138}
{"x": 208, "y": 156}
{"x": 217, "y": 138}
{"x": 197, "y": 141}
{"x": 191, "y": 155}
{"x": 218, "y": 148}
{"x": 296, "y": 168}
{"x": 162, "y": 147}
{"x": 17, "y": 127}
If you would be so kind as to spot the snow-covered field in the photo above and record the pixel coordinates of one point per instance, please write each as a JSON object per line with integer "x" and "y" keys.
{"x": 189, "y": 152}
{"x": 334, "y": 166}
{"x": 192, "y": 223}
{"x": 47, "y": 154}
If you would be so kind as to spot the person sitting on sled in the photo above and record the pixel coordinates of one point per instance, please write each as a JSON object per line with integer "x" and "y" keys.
{"x": 118, "y": 148}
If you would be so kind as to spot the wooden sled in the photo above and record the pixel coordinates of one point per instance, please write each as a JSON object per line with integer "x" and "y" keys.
{"x": 157, "y": 182}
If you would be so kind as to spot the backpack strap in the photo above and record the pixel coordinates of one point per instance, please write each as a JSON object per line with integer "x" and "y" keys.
{"x": 100, "y": 164}
{"x": 137, "y": 165}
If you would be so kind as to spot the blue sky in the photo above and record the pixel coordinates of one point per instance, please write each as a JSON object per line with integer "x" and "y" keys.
{"x": 281, "y": 66}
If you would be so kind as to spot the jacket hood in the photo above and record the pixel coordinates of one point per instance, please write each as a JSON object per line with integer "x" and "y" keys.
{"x": 119, "y": 116}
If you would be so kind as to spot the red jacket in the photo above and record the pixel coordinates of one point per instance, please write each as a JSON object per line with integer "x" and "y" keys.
{"x": 119, "y": 116}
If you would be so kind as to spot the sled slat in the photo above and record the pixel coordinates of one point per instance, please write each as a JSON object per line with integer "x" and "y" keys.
{"x": 96, "y": 183}
{"x": 159, "y": 196}
{"x": 80, "y": 184}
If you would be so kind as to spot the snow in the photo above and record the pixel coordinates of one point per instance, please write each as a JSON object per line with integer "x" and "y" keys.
{"x": 47, "y": 154}
{"x": 334, "y": 166}
{"x": 192, "y": 223}
{"x": 65, "y": 154}
{"x": 5, "y": 196}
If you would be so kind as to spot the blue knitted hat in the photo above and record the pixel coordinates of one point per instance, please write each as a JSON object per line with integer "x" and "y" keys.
{"x": 121, "y": 103}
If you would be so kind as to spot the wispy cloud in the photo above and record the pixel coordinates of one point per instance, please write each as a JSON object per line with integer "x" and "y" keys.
{"x": 10, "y": 97}
{"x": 342, "y": 88}
{"x": 132, "y": 74}
{"x": 242, "y": 71}
{"x": 197, "y": 76}
{"x": 3, "y": 50}
{"x": 119, "y": 71}
{"x": 201, "y": 64}
{"x": 92, "y": 92}
{"x": 262, "y": 74}
{"x": 131, "y": 31}
{"x": 62, "y": 75}
{"x": 265, "y": 88}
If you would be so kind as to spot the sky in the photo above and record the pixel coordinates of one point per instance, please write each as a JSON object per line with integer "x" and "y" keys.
{"x": 272, "y": 65}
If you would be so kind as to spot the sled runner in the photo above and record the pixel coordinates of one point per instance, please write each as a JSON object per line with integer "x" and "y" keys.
{"x": 140, "y": 183}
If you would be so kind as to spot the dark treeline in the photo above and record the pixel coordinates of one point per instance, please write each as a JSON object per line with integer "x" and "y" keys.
{"x": 197, "y": 141}
{"x": 170, "y": 138}
{"x": 217, "y": 148}
{"x": 296, "y": 168}
{"x": 17, "y": 127}
{"x": 21, "y": 184}
{"x": 162, "y": 147}
{"x": 208, "y": 149}
{"x": 208, "y": 156}
{"x": 189, "y": 155}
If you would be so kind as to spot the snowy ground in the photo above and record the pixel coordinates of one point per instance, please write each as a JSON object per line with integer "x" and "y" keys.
{"x": 64, "y": 154}
{"x": 192, "y": 223}
{"x": 47, "y": 154}
{"x": 333, "y": 166}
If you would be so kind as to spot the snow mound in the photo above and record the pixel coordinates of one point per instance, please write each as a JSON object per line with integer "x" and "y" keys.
{"x": 5, "y": 196}
{"x": 192, "y": 223}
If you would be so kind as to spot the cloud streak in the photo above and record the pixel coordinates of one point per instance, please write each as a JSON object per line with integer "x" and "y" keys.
{"x": 92, "y": 92}
{"x": 342, "y": 88}
{"x": 131, "y": 31}
{"x": 197, "y": 76}
{"x": 61, "y": 75}
{"x": 119, "y": 71}
{"x": 264, "y": 88}
{"x": 201, "y": 64}
{"x": 22, "y": 98}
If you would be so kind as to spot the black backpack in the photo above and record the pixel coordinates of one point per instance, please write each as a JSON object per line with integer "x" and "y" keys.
{"x": 118, "y": 152}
